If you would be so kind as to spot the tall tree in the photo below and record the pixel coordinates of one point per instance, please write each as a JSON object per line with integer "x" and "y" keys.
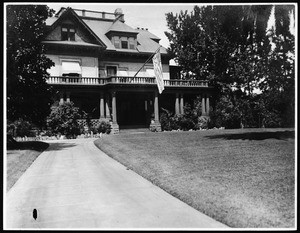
{"x": 279, "y": 82}
{"x": 229, "y": 46}
{"x": 213, "y": 42}
{"x": 28, "y": 95}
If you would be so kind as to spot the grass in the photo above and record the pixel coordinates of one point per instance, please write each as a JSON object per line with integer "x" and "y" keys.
{"x": 20, "y": 155}
{"x": 243, "y": 178}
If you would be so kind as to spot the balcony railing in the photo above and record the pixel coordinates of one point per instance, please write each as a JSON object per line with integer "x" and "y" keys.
{"x": 62, "y": 80}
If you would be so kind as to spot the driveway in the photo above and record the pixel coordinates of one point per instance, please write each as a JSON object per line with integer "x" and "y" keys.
{"x": 75, "y": 185}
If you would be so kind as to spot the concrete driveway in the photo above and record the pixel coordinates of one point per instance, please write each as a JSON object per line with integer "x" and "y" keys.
{"x": 75, "y": 185}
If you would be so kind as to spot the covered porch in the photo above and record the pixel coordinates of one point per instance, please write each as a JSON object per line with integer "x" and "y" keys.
{"x": 132, "y": 106}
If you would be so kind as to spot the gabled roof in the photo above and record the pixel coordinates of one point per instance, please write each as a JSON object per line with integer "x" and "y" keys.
{"x": 69, "y": 13}
{"x": 100, "y": 28}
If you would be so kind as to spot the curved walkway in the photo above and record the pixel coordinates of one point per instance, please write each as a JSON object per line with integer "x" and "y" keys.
{"x": 75, "y": 185}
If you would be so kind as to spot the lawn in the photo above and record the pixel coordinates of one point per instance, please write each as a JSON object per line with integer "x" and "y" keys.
{"x": 243, "y": 178}
{"x": 19, "y": 157}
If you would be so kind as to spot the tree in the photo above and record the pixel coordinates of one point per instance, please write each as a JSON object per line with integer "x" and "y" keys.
{"x": 229, "y": 46}
{"x": 28, "y": 95}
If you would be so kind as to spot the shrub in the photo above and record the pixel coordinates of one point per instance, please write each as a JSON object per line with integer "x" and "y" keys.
{"x": 203, "y": 122}
{"x": 271, "y": 120}
{"x": 226, "y": 114}
{"x": 63, "y": 119}
{"x": 104, "y": 127}
{"x": 165, "y": 120}
{"x": 20, "y": 128}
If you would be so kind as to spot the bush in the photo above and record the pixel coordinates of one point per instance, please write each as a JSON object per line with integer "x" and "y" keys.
{"x": 226, "y": 114}
{"x": 165, "y": 120}
{"x": 63, "y": 119}
{"x": 271, "y": 120}
{"x": 20, "y": 128}
{"x": 185, "y": 121}
{"x": 104, "y": 127}
{"x": 204, "y": 122}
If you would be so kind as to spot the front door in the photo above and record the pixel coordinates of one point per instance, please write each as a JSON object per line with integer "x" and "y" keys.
{"x": 133, "y": 109}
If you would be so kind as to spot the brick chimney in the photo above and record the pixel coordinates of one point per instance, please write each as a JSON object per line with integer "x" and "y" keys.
{"x": 119, "y": 13}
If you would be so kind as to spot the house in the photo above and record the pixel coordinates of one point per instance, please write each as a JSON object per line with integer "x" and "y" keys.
{"x": 97, "y": 56}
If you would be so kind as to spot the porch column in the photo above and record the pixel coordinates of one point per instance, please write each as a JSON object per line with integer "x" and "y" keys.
{"x": 68, "y": 97}
{"x": 101, "y": 106}
{"x": 177, "y": 104}
{"x": 155, "y": 125}
{"x": 207, "y": 105}
{"x": 107, "y": 113}
{"x": 114, "y": 107}
{"x": 114, "y": 124}
{"x": 203, "y": 105}
{"x": 156, "y": 113}
{"x": 181, "y": 104}
{"x": 61, "y": 98}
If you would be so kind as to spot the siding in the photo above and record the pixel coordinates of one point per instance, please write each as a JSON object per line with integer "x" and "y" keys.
{"x": 132, "y": 68}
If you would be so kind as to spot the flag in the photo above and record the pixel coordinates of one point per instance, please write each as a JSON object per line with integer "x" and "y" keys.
{"x": 158, "y": 71}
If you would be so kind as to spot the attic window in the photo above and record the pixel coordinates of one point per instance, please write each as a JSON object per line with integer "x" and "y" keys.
{"x": 131, "y": 43}
{"x": 124, "y": 44}
{"x": 117, "y": 42}
{"x": 68, "y": 33}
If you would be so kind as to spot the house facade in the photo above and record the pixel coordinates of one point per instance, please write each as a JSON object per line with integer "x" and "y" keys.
{"x": 97, "y": 56}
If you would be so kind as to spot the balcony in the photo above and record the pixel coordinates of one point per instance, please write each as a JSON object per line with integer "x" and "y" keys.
{"x": 95, "y": 81}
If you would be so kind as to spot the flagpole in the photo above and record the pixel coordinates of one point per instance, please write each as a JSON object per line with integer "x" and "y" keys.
{"x": 145, "y": 63}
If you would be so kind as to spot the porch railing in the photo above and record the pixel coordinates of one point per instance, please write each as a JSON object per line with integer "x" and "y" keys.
{"x": 56, "y": 80}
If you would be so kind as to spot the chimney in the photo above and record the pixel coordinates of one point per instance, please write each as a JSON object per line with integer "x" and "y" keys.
{"x": 83, "y": 13}
{"x": 119, "y": 14}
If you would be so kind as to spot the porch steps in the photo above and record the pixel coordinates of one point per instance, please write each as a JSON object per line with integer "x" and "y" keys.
{"x": 133, "y": 130}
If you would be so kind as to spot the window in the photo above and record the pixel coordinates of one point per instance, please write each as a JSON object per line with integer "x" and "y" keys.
{"x": 131, "y": 43}
{"x": 124, "y": 44}
{"x": 71, "y": 68}
{"x": 68, "y": 33}
{"x": 116, "y": 42}
{"x": 111, "y": 71}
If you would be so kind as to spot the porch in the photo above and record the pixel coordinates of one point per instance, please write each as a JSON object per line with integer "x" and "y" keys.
{"x": 130, "y": 101}
{"x": 124, "y": 80}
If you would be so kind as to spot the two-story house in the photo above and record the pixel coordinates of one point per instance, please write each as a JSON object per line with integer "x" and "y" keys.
{"x": 97, "y": 55}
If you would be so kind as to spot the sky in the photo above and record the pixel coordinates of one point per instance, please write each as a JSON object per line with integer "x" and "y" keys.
{"x": 143, "y": 15}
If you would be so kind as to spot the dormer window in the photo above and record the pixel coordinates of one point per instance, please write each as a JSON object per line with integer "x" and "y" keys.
{"x": 131, "y": 43}
{"x": 68, "y": 33}
{"x": 124, "y": 44}
{"x": 116, "y": 42}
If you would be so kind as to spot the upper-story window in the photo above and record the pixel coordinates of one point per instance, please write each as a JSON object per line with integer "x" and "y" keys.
{"x": 70, "y": 68}
{"x": 131, "y": 43}
{"x": 124, "y": 44}
{"x": 116, "y": 42}
{"x": 111, "y": 71}
{"x": 68, "y": 32}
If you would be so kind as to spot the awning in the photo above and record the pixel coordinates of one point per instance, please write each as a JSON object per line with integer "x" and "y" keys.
{"x": 70, "y": 67}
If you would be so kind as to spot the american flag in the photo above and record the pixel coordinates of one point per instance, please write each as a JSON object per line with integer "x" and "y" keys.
{"x": 158, "y": 71}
